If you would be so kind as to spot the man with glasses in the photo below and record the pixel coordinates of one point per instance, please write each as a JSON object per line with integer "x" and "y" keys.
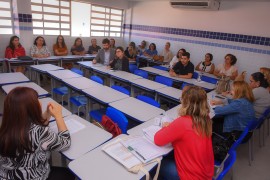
{"x": 106, "y": 54}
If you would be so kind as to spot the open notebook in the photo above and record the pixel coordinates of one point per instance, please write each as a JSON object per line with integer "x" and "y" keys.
{"x": 134, "y": 150}
{"x": 72, "y": 125}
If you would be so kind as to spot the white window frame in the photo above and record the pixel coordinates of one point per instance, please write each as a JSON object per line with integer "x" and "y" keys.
{"x": 45, "y": 21}
{"x": 7, "y": 18}
{"x": 108, "y": 31}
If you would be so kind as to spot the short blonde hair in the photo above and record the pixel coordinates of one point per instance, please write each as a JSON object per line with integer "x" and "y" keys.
{"x": 194, "y": 104}
{"x": 242, "y": 90}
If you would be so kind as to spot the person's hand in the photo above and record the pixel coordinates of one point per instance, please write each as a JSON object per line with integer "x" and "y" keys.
{"x": 108, "y": 67}
{"x": 165, "y": 124}
{"x": 94, "y": 61}
{"x": 215, "y": 102}
{"x": 55, "y": 110}
{"x": 226, "y": 93}
{"x": 172, "y": 73}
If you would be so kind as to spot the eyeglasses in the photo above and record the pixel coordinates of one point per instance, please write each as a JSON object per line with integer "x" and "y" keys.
{"x": 119, "y": 51}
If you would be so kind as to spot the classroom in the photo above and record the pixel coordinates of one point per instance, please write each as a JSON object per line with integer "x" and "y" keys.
{"x": 137, "y": 62}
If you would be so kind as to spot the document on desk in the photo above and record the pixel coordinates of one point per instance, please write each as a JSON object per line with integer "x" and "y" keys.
{"x": 72, "y": 125}
{"x": 120, "y": 153}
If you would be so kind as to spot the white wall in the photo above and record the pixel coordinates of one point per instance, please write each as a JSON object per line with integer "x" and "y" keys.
{"x": 248, "y": 18}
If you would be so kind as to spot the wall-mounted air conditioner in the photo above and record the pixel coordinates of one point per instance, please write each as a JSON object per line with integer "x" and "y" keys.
{"x": 196, "y": 4}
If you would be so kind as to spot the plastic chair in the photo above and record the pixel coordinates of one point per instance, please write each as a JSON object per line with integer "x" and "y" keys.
{"x": 141, "y": 73}
{"x": 228, "y": 164}
{"x": 121, "y": 89}
{"x": 115, "y": 115}
{"x": 209, "y": 79}
{"x": 63, "y": 90}
{"x": 132, "y": 68}
{"x": 164, "y": 80}
{"x": 81, "y": 100}
{"x": 161, "y": 68}
{"x": 97, "y": 79}
{"x": 148, "y": 100}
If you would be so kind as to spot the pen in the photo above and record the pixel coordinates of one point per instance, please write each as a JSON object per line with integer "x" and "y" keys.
{"x": 131, "y": 149}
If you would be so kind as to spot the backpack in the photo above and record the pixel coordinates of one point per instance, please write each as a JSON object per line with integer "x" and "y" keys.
{"x": 110, "y": 126}
{"x": 223, "y": 84}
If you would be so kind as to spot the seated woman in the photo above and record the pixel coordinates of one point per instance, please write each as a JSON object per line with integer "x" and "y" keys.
{"x": 177, "y": 57}
{"x": 142, "y": 48}
{"x": 266, "y": 73}
{"x": 60, "y": 49}
{"x": 39, "y": 49}
{"x": 151, "y": 51}
{"x": 206, "y": 65}
{"x": 131, "y": 52}
{"x": 228, "y": 68}
{"x": 77, "y": 48}
{"x": 120, "y": 62}
{"x": 190, "y": 135}
{"x": 259, "y": 86}
{"x": 26, "y": 141}
{"x": 14, "y": 50}
{"x": 167, "y": 53}
{"x": 239, "y": 111}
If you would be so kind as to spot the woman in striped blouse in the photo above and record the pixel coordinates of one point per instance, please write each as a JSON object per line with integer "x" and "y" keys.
{"x": 26, "y": 141}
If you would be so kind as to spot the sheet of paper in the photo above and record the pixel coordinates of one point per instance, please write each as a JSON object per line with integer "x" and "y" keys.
{"x": 72, "y": 125}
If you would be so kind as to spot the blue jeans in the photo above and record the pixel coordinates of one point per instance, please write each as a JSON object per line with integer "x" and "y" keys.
{"x": 168, "y": 170}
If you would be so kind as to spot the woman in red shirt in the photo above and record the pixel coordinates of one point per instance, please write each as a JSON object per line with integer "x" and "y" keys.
{"x": 14, "y": 50}
{"x": 190, "y": 135}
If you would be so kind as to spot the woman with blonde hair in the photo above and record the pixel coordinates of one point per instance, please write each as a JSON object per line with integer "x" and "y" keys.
{"x": 239, "y": 111}
{"x": 190, "y": 135}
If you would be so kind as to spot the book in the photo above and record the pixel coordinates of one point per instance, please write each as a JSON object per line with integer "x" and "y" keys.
{"x": 72, "y": 125}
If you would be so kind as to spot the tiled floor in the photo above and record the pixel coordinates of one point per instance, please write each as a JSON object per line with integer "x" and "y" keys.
{"x": 259, "y": 170}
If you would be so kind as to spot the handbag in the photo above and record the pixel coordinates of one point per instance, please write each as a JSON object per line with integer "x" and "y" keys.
{"x": 158, "y": 58}
{"x": 223, "y": 84}
{"x": 25, "y": 58}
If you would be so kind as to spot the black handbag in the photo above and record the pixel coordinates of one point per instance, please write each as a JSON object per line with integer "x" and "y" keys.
{"x": 25, "y": 58}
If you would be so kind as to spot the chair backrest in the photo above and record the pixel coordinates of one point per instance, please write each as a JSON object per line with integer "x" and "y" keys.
{"x": 118, "y": 117}
{"x": 132, "y": 68}
{"x": 78, "y": 71}
{"x": 209, "y": 79}
{"x": 260, "y": 121}
{"x": 121, "y": 89}
{"x": 97, "y": 79}
{"x": 141, "y": 73}
{"x": 148, "y": 100}
{"x": 164, "y": 80}
{"x": 195, "y": 75}
{"x": 184, "y": 84}
{"x": 161, "y": 68}
{"x": 228, "y": 163}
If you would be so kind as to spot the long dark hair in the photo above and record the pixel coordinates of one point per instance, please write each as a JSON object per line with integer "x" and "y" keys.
{"x": 259, "y": 77}
{"x": 63, "y": 42}
{"x": 35, "y": 41}
{"x": 76, "y": 41}
{"x": 21, "y": 109}
{"x": 11, "y": 45}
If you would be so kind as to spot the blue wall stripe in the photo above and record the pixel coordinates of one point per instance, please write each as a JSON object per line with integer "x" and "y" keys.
{"x": 258, "y": 40}
{"x": 254, "y": 50}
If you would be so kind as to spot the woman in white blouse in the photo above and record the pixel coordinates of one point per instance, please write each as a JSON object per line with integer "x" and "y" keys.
{"x": 39, "y": 48}
{"x": 228, "y": 68}
{"x": 206, "y": 65}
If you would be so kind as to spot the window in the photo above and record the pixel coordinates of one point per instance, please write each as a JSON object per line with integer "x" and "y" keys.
{"x": 106, "y": 21}
{"x": 51, "y": 17}
{"x": 5, "y": 17}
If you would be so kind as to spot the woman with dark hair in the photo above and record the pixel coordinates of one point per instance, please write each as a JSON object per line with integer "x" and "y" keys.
{"x": 151, "y": 51}
{"x": 177, "y": 57}
{"x": 206, "y": 65}
{"x": 60, "y": 49}
{"x": 228, "y": 68}
{"x": 131, "y": 52}
{"x": 26, "y": 141}
{"x": 14, "y": 50}
{"x": 77, "y": 48}
{"x": 259, "y": 86}
{"x": 39, "y": 49}
{"x": 120, "y": 62}
{"x": 190, "y": 135}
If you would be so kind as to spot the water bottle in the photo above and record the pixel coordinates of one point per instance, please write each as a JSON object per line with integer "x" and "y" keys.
{"x": 199, "y": 77}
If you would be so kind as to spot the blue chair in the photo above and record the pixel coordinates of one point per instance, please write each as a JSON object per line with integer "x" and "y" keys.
{"x": 209, "y": 79}
{"x": 115, "y": 115}
{"x": 161, "y": 68}
{"x": 164, "y": 80}
{"x": 141, "y": 73}
{"x": 228, "y": 164}
{"x": 63, "y": 90}
{"x": 81, "y": 100}
{"x": 132, "y": 68}
{"x": 195, "y": 75}
{"x": 148, "y": 100}
{"x": 185, "y": 84}
{"x": 121, "y": 89}
{"x": 97, "y": 79}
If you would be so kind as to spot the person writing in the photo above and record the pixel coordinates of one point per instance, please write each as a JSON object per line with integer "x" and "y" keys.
{"x": 184, "y": 68}
{"x": 190, "y": 135}
{"x": 26, "y": 141}
{"x": 106, "y": 54}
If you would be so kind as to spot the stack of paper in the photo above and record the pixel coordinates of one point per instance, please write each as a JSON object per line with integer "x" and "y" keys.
{"x": 72, "y": 125}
